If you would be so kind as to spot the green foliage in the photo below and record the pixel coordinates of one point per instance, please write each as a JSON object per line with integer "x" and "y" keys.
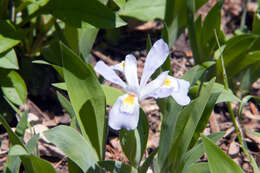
{"x": 90, "y": 106}
{"x": 31, "y": 163}
{"x": 63, "y": 33}
{"x": 134, "y": 142}
{"x": 216, "y": 155}
{"x": 13, "y": 86}
{"x": 144, "y": 10}
{"x": 8, "y": 60}
{"x": 80, "y": 11}
{"x": 71, "y": 142}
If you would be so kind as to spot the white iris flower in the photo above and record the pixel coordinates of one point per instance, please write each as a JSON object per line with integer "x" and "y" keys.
{"x": 125, "y": 111}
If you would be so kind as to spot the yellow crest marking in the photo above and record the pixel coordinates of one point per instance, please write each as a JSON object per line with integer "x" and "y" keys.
{"x": 167, "y": 82}
{"x": 123, "y": 63}
{"x": 129, "y": 99}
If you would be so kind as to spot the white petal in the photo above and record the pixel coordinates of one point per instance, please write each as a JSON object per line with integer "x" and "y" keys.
{"x": 119, "y": 119}
{"x": 130, "y": 72}
{"x": 181, "y": 96}
{"x": 155, "y": 58}
{"x": 108, "y": 74}
{"x": 177, "y": 88}
{"x": 119, "y": 66}
{"x": 161, "y": 92}
{"x": 151, "y": 87}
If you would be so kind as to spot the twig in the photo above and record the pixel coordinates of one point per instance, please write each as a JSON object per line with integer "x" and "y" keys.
{"x": 103, "y": 57}
{"x": 60, "y": 162}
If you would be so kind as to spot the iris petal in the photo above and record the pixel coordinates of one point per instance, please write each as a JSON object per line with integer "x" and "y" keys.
{"x": 154, "y": 85}
{"x": 181, "y": 96}
{"x": 130, "y": 72}
{"x": 155, "y": 58}
{"x": 119, "y": 66}
{"x": 109, "y": 74}
{"x": 119, "y": 119}
{"x": 177, "y": 88}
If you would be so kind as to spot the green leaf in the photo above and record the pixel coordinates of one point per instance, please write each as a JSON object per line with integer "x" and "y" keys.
{"x": 254, "y": 164}
{"x": 175, "y": 18}
{"x": 77, "y": 148}
{"x": 14, "y": 139}
{"x": 81, "y": 40}
{"x": 111, "y": 94}
{"x": 65, "y": 103}
{"x": 32, "y": 143}
{"x": 256, "y": 22}
{"x": 247, "y": 77}
{"x": 60, "y": 85}
{"x": 202, "y": 37}
{"x": 89, "y": 108}
{"x": 203, "y": 122}
{"x": 91, "y": 11}
{"x": 9, "y": 37}
{"x": 183, "y": 129}
{"x": 248, "y": 59}
{"x": 13, "y": 164}
{"x": 148, "y": 161}
{"x": 73, "y": 167}
{"x": 171, "y": 111}
{"x": 199, "y": 168}
{"x": 133, "y": 142}
{"x": 8, "y": 60}
{"x": 116, "y": 167}
{"x": 216, "y": 155}
{"x": 236, "y": 50}
{"x": 22, "y": 125}
{"x": 120, "y": 3}
{"x": 144, "y": 10}
{"x": 56, "y": 67}
{"x": 191, "y": 157}
{"x": 13, "y": 87}
{"x": 254, "y": 133}
{"x": 31, "y": 163}
{"x": 196, "y": 72}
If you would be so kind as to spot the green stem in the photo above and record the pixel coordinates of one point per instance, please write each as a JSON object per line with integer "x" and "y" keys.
{"x": 243, "y": 17}
{"x": 230, "y": 110}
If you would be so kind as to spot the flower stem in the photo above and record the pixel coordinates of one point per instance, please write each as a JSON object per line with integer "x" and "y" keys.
{"x": 230, "y": 110}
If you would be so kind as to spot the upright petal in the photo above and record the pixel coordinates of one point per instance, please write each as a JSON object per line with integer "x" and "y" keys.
{"x": 154, "y": 85}
{"x": 181, "y": 96}
{"x": 109, "y": 74}
{"x": 155, "y": 58}
{"x": 130, "y": 71}
{"x": 120, "y": 66}
{"x": 119, "y": 117}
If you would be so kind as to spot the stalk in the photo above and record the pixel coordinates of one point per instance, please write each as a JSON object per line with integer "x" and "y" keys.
{"x": 230, "y": 110}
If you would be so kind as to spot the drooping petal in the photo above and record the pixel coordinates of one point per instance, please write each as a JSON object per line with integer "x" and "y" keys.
{"x": 130, "y": 72}
{"x": 151, "y": 87}
{"x": 124, "y": 117}
{"x": 109, "y": 74}
{"x": 120, "y": 66}
{"x": 177, "y": 88}
{"x": 181, "y": 96}
{"x": 155, "y": 58}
